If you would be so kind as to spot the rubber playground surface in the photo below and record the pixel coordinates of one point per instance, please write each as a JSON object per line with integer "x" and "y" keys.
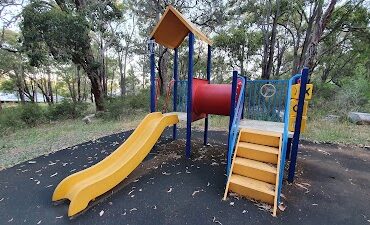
{"x": 332, "y": 187}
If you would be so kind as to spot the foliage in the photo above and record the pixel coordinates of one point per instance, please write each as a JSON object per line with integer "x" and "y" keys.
{"x": 118, "y": 108}
{"x": 353, "y": 95}
{"x": 67, "y": 109}
{"x": 32, "y": 114}
{"x": 63, "y": 36}
{"x": 27, "y": 115}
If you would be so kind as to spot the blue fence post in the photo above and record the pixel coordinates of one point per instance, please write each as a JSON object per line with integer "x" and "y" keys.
{"x": 297, "y": 127}
{"x": 152, "y": 75}
{"x": 233, "y": 96}
{"x": 176, "y": 80}
{"x": 209, "y": 66}
{"x": 189, "y": 108}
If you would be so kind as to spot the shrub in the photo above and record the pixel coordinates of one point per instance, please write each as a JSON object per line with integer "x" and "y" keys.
{"x": 67, "y": 110}
{"x": 9, "y": 119}
{"x": 119, "y": 107}
{"x": 32, "y": 114}
{"x": 139, "y": 101}
{"x": 353, "y": 95}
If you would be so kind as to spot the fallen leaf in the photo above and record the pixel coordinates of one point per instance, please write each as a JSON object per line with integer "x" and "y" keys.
{"x": 282, "y": 207}
{"x": 216, "y": 221}
{"x": 53, "y": 175}
{"x": 303, "y": 187}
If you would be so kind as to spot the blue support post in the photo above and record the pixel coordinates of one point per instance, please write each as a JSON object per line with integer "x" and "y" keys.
{"x": 245, "y": 78}
{"x": 209, "y": 64}
{"x": 297, "y": 127}
{"x": 233, "y": 96}
{"x": 288, "y": 148}
{"x": 152, "y": 75}
{"x": 189, "y": 107}
{"x": 176, "y": 78}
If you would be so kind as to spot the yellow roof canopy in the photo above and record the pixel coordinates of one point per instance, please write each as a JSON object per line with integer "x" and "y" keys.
{"x": 173, "y": 27}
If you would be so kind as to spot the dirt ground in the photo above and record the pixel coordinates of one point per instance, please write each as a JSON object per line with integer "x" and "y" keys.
{"x": 332, "y": 187}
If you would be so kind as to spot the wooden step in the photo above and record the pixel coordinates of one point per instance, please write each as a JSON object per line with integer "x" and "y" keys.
{"x": 255, "y": 169}
{"x": 267, "y": 138}
{"x": 251, "y": 188}
{"x": 258, "y": 152}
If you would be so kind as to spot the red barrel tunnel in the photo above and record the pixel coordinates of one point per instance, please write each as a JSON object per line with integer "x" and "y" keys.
{"x": 211, "y": 98}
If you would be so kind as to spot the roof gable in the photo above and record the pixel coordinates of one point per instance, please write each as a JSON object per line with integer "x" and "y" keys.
{"x": 172, "y": 29}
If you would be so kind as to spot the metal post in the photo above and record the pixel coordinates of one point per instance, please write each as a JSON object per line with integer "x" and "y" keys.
{"x": 297, "y": 127}
{"x": 152, "y": 75}
{"x": 189, "y": 108}
{"x": 288, "y": 148}
{"x": 245, "y": 78}
{"x": 209, "y": 65}
{"x": 176, "y": 78}
{"x": 233, "y": 96}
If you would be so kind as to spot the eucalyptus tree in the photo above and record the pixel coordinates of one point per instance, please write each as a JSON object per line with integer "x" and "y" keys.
{"x": 62, "y": 28}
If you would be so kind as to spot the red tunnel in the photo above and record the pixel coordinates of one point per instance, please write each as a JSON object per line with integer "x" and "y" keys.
{"x": 211, "y": 98}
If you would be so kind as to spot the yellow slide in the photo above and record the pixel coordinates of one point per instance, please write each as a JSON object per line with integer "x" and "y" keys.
{"x": 82, "y": 187}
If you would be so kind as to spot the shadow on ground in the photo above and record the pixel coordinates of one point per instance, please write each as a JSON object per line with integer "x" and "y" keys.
{"x": 332, "y": 187}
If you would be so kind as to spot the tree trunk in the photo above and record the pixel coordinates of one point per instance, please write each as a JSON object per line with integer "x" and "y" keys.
{"x": 269, "y": 45}
{"x": 78, "y": 73}
{"x": 50, "y": 87}
{"x": 56, "y": 90}
{"x": 123, "y": 81}
{"x": 319, "y": 27}
{"x": 120, "y": 65}
{"x": 102, "y": 71}
{"x": 111, "y": 84}
{"x": 242, "y": 61}
{"x": 20, "y": 86}
{"x": 143, "y": 72}
{"x": 161, "y": 71}
{"x": 87, "y": 62}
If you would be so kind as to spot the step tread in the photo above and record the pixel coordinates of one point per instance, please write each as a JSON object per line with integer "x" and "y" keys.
{"x": 256, "y": 164}
{"x": 262, "y": 148}
{"x": 261, "y": 132}
{"x": 253, "y": 184}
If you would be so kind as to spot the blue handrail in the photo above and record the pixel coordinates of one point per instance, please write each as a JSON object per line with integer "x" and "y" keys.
{"x": 285, "y": 133}
{"x": 235, "y": 124}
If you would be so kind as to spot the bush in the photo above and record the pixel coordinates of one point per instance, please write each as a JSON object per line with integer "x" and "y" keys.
{"x": 67, "y": 110}
{"x": 353, "y": 95}
{"x": 139, "y": 101}
{"x": 119, "y": 107}
{"x": 32, "y": 114}
{"x": 9, "y": 119}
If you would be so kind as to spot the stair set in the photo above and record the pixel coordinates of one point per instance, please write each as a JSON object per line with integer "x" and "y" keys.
{"x": 254, "y": 172}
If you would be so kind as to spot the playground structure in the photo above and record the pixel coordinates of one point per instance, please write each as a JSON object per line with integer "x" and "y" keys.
{"x": 266, "y": 118}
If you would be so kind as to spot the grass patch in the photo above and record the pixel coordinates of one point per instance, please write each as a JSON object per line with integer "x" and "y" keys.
{"x": 340, "y": 132}
{"x": 25, "y": 144}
